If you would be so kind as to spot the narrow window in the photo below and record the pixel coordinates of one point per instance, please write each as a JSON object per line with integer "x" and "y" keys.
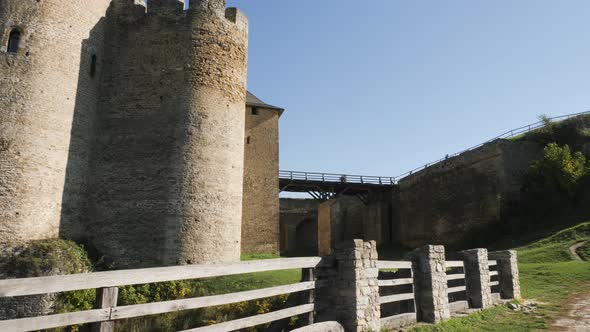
{"x": 93, "y": 65}
{"x": 254, "y": 110}
{"x": 248, "y": 140}
{"x": 13, "y": 41}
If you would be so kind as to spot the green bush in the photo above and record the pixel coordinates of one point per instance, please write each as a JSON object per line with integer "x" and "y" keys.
{"x": 553, "y": 182}
{"x": 573, "y": 132}
{"x": 49, "y": 257}
{"x": 559, "y": 171}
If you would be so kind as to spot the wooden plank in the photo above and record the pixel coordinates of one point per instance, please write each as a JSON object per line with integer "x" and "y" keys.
{"x": 255, "y": 320}
{"x": 454, "y": 264}
{"x": 456, "y": 289}
{"x": 309, "y": 275}
{"x": 492, "y": 263}
{"x": 105, "y": 298}
{"x": 396, "y": 298}
{"x": 494, "y": 283}
{"x": 43, "y": 285}
{"x": 139, "y": 310}
{"x": 458, "y": 306}
{"x": 397, "y": 321}
{"x": 493, "y": 273}
{"x": 396, "y": 282}
{"x": 394, "y": 265}
{"x": 455, "y": 276}
{"x": 53, "y": 321}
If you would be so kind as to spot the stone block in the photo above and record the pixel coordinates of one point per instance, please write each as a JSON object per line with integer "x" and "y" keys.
{"x": 432, "y": 305}
{"x": 507, "y": 273}
{"x": 477, "y": 277}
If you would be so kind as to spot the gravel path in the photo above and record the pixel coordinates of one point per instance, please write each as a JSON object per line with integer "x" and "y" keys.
{"x": 577, "y": 316}
{"x": 574, "y": 250}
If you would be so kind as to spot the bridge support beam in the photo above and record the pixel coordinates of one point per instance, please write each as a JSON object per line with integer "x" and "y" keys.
{"x": 325, "y": 228}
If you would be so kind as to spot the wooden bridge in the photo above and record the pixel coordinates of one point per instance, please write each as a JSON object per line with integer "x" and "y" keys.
{"x": 323, "y": 186}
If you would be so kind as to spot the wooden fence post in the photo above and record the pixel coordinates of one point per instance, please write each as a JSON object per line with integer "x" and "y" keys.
{"x": 309, "y": 296}
{"x": 105, "y": 298}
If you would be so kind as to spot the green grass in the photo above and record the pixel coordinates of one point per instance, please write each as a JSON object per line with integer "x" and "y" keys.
{"x": 503, "y": 320}
{"x": 258, "y": 256}
{"x": 548, "y": 274}
{"x": 555, "y": 248}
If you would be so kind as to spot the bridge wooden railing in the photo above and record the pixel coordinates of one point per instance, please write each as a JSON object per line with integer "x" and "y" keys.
{"x": 336, "y": 178}
{"x": 107, "y": 284}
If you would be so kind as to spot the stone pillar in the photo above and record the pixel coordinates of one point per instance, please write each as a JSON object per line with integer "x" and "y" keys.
{"x": 430, "y": 282}
{"x": 507, "y": 273}
{"x": 352, "y": 294}
{"x": 477, "y": 277}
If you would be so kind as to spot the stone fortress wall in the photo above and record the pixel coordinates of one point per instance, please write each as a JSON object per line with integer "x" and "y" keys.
{"x": 463, "y": 197}
{"x": 124, "y": 127}
{"x": 455, "y": 202}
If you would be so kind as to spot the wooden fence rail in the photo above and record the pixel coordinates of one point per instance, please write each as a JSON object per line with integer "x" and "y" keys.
{"x": 456, "y": 294}
{"x": 399, "y": 319}
{"x": 107, "y": 284}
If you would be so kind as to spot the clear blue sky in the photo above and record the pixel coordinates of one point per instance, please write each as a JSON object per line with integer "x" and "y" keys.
{"x": 378, "y": 87}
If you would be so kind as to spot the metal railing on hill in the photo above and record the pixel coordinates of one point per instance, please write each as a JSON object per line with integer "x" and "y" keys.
{"x": 509, "y": 134}
{"x": 333, "y": 178}
{"x": 392, "y": 180}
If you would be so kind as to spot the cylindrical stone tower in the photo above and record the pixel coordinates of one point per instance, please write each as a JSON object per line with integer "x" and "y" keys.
{"x": 168, "y": 162}
{"x": 214, "y": 160}
{"x": 44, "y": 81}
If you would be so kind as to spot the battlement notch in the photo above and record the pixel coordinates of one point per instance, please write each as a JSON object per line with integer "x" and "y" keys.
{"x": 238, "y": 17}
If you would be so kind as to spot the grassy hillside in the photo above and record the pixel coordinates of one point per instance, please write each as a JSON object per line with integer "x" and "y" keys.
{"x": 555, "y": 248}
{"x": 548, "y": 275}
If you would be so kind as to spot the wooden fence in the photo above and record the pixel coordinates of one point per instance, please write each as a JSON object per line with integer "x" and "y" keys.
{"x": 400, "y": 319}
{"x": 404, "y": 295}
{"x": 107, "y": 283}
{"x": 494, "y": 279}
{"x": 456, "y": 288}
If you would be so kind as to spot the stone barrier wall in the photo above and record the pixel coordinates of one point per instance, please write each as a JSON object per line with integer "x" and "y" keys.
{"x": 350, "y": 292}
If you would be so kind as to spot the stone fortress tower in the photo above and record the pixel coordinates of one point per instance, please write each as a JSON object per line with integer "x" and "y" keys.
{"x": 39, "y": 92}
{"x": 123, "y": 126}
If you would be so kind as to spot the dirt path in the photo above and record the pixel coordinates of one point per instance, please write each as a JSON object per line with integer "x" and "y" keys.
{"x": 574, "y": 250}
{"x": 576, "y": 317}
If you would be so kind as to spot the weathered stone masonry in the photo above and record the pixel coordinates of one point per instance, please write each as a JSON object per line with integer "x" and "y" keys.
{"x": 41, "y": 87}
{"x": 477, "y": 277}
{"x": 125, "y": 128}
{"x": 348, "y": 288}
{"x": 260, "y": 222}
{"x": 351, "y": 295}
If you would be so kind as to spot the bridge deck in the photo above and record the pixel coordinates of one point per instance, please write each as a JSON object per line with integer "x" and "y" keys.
{"x": 342, "y": 184}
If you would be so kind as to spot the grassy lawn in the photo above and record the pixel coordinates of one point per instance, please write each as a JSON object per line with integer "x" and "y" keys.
{"x": 548, "y": 274}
